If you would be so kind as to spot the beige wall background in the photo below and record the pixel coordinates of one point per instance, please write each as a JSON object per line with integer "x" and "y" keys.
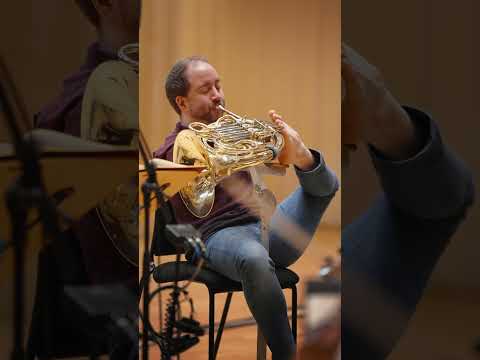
{"x": 50, "y": 42}
{"x": 281, "y": 55}
{"x": 428, "y": 52}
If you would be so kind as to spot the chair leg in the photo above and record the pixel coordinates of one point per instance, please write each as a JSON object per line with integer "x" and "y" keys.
{"x": 261, "y": 346}
{"x": 221, "y": 326}
{"x": 211, "y": 326}
{"x": 294, "y": 313}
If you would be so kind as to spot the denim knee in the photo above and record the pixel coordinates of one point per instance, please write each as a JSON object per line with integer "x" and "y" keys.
{"x": 255, "y": 267}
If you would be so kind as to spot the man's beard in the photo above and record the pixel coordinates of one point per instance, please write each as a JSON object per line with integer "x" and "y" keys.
{"x": 212, "y": 115}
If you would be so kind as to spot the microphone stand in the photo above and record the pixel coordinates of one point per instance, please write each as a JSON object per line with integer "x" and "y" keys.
{"x": 26, "y": 193}
{"x": 148, "y": 187}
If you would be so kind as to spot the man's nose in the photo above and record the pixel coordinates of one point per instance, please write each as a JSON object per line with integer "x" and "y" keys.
{"x": 216, "y": 96}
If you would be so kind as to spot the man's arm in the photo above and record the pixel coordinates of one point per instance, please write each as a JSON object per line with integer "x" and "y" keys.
{"x": 391, "y": 250}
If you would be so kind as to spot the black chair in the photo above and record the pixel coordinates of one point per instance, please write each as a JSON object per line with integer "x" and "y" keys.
{"x": 215, "y": 283}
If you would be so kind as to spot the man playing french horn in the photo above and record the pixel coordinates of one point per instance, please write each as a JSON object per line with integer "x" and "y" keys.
{"x": 231, "y": 229}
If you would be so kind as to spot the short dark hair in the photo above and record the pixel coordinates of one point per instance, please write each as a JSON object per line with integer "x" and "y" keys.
{"x": 88, "y": 9}
{"x": 177, "y": 83}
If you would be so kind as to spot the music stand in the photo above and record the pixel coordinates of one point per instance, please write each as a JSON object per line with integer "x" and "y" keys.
{"x": 172, "y": 176}
{"x": 68, "y": 171}
{"x": 23, "y": 163}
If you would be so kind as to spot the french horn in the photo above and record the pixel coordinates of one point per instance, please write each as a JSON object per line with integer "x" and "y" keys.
{"x": 230, "y": 144}
{"x": 110, "y": 115}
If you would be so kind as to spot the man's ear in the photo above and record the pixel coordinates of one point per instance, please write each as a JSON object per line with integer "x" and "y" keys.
{"x": 181, "y": 103}
{"x": 103, "y": 7}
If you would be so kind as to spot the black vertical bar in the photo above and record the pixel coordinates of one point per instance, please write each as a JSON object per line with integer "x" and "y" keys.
{"x": 294, "y": 313}
{"x": 211, "y": 326}
{"x": 221, "y": 326}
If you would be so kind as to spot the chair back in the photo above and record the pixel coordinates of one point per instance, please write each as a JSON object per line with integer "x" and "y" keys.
{"x": 160, "y": 241}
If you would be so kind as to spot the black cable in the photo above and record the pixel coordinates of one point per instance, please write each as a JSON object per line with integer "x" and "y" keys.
{"x": 165, "y": 340}
{"x": 169, "y": 344}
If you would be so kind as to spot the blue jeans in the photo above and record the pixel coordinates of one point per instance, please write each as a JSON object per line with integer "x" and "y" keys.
{"x": 391, "y": 249}
{"x": 237, "y": 253}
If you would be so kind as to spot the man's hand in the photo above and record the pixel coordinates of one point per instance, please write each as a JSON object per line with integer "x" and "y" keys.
{"x": 294, "y": 151}
{"x": 369, "y": 111}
